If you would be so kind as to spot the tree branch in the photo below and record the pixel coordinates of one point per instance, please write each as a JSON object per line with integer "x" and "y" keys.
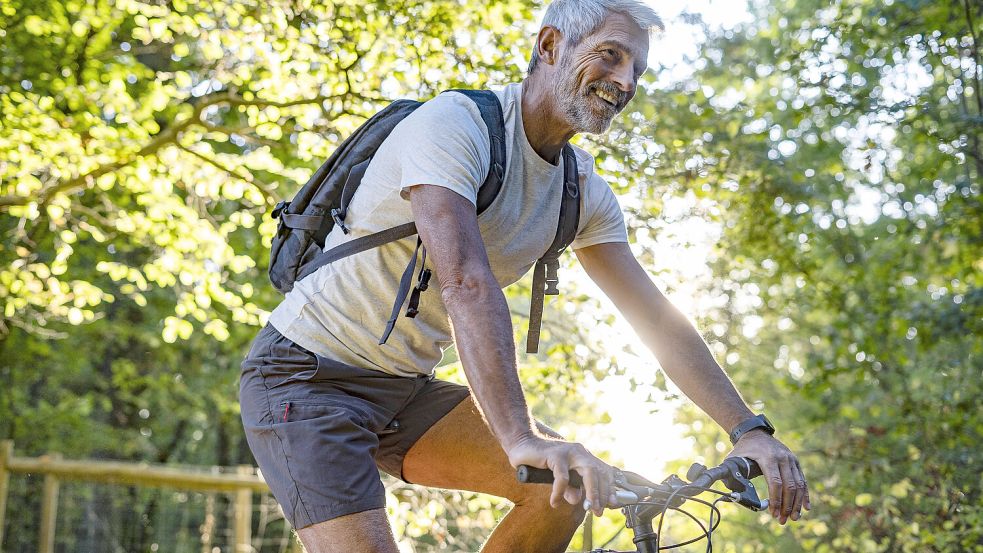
{"x": 271, "y": 196}
{"x": 41, "y": 331}
{"x": 247, "y": 177}
{"x": 241, "y": 131}
{"x": 167, "y": 137}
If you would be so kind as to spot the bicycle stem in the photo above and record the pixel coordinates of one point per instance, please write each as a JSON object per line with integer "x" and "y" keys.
{"x": 639, "y": 519}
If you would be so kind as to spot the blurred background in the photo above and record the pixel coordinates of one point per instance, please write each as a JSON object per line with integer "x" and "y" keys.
{"x": 801, "y": 177}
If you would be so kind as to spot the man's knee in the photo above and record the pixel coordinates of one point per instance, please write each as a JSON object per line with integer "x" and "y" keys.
{"x": 366, "y": 531}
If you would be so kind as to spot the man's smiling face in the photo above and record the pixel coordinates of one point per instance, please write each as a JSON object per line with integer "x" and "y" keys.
{"x": 597, "y": 77}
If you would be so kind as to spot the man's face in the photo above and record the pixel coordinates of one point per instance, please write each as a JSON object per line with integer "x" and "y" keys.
{"x": 597, "y": 77}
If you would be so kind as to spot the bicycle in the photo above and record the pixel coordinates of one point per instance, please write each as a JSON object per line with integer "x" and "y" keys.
{"x": 642, "y": 501}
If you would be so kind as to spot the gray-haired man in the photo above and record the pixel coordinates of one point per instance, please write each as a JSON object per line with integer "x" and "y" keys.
{"x": 319, "y": 439}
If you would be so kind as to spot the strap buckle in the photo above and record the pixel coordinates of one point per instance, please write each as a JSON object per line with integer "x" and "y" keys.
{"x": 339, "y": 219}
{"x": 552, "y": 279}
{"x": 424, "y": 282}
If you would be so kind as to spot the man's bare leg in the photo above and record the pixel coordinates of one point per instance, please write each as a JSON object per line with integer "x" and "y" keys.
{"x": 365, "y": 532}
{"x": 460, "y": 452}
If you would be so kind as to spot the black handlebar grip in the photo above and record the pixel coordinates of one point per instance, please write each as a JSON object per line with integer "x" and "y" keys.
{"x": 753, "y": 470}
{"x": 533, "y": 475}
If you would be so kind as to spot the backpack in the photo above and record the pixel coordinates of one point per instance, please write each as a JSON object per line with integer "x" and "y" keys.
{"x": 322, "y": 204}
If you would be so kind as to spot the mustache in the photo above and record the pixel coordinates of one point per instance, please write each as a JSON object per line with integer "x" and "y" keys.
{"x": 611, "y": 89}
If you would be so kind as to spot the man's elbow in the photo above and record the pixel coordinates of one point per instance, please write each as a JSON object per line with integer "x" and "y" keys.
{"x": 466, "y": 287}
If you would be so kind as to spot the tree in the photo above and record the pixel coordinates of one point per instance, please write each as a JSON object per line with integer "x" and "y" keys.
{"x": 837, "y": 145}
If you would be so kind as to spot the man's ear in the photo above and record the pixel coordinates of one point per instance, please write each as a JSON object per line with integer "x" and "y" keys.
{"x": 548, "y": 44}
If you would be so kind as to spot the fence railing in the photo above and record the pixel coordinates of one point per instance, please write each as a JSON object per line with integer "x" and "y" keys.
{"x": 241, "y": 485}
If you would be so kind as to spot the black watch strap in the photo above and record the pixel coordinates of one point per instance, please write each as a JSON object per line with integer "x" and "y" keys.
{"x": 755, "y": 422}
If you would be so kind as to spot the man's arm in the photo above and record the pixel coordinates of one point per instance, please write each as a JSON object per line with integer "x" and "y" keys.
{"x": 688, "y": 362}
{"x": 448, "y": 226}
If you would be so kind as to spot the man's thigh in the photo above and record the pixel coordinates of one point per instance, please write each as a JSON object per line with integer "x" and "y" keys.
{"x": 460, "y": 452}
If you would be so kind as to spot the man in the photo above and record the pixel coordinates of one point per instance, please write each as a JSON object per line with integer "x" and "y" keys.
{"x": 324, "y": 404}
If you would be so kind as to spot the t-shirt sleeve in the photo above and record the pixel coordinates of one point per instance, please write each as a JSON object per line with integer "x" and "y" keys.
{"x": 601, "y": 219}
{"x": 443, "y": 143}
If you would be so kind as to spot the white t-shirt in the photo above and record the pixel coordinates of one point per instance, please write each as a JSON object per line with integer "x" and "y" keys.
{"x": 341, "y": 310}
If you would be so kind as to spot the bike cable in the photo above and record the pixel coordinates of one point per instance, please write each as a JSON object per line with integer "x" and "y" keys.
{"x": 714, "y": 509}
{"x": 706, "y": 533}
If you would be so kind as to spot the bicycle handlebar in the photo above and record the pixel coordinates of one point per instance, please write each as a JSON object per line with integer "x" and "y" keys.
{"x": 734, "y": 473}
{"x": 533, "y": 475}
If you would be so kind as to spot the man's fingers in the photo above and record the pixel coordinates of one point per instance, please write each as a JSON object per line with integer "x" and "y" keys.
{"x": 788, "y": 490}
{"x": 600, "y": 492}
{"x": 774, "y": 479}
{"x": 561, "y": 480}
{"x": 603, "y": 489}
{"x": 574, "y": 496}
{"x": 798, "y": 488}
{"x": 595, "y": 485}
{"x": 590, "y": 483}
{"x": 805, "y": 488}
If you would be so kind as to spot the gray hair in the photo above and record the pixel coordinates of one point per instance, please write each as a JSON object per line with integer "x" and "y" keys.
{"x": 577, "y": 19}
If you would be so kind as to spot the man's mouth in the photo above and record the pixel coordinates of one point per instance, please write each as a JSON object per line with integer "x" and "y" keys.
{"x": 607, "y": 97}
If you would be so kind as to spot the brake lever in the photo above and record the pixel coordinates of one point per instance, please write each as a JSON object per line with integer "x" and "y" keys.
{"x": 633, "y": 488}
{"x": 621, "y": 498}
{"x": 744, "y": 492}
{"x": 631, "y": 482}
{"x": 749, "y": 499}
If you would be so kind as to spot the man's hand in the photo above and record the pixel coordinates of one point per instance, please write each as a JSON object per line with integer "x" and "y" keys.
{"x": 788, "y": 492}
{"x": 562, "y": 457}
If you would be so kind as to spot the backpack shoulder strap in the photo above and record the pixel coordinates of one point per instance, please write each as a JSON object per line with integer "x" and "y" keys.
{"x": 491, "y": 114}
{"x": 545, "y": 279}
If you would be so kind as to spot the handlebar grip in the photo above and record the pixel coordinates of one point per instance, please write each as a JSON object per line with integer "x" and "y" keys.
{"x": 748, "y": 467}
{"x": 533, "y": 475}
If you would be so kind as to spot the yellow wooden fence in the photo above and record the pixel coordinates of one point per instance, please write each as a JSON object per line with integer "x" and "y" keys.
{"x": 240, "y": 484}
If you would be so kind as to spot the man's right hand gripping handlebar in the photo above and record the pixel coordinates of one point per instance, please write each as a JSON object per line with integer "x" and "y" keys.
{"x": 561, "y": 457}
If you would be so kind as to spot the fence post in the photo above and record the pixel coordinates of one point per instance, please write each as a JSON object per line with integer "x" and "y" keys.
{"x": 243, "y": 515}
{"x": 6, "y": 452}
{"x": 49, "y": 512}
{"x": 208, "y": 526}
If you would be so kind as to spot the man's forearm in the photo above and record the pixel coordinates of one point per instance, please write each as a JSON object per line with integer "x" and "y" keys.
{"x": 483, "y": 334}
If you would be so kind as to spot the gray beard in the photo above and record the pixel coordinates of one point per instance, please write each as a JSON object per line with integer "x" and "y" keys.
{"x": 575, "y": 104}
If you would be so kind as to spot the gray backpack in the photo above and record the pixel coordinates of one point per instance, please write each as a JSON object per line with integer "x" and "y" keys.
{"x": 322, "y": 204}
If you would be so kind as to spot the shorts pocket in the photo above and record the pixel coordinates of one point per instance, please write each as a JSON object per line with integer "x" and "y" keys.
{"x": 326, "y": 454}
{"x": 297, "y": 410}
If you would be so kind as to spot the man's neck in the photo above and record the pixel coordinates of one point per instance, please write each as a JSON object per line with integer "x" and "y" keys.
{"x": 546, "y": 129}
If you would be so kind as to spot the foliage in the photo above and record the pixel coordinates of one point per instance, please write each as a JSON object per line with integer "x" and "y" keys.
{"x": 141, "y": 146}
{"x": 835, "y": 146}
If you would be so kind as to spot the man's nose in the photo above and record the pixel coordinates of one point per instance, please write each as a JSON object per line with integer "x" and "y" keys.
{"x": 624, "y": 78}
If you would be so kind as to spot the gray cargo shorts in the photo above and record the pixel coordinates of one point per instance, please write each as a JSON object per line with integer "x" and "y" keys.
{"x": 320, "y": 429}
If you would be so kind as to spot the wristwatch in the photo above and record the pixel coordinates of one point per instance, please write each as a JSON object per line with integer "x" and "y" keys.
{"x": 753, "y": 423}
